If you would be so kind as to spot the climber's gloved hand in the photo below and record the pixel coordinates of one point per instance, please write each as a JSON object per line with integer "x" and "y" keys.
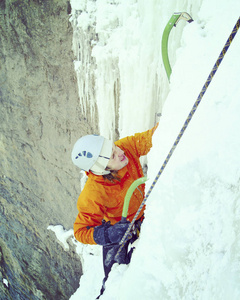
{"x": 107, "y": 234}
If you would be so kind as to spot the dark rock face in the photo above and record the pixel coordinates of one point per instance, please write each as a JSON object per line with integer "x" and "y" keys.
{"x": 40, "y": 120}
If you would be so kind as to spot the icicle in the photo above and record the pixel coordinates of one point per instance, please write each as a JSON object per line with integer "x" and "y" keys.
{"x": 84, "y": 37}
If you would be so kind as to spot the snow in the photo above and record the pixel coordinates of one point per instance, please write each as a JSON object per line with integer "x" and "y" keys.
{"x": 62, "y": 235}
{"x": 5, "y": 282}
{"x": 189, "y": 247}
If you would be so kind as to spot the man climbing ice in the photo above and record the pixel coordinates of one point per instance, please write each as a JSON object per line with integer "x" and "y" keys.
{"x": 111, "y": 169}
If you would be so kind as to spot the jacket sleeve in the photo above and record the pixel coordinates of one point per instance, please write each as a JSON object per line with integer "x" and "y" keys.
{"x": 141, "y": 143}
{"x": 90, "y": 214}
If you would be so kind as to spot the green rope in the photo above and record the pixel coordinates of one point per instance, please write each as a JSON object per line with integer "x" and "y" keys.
{"x": 204, "y": 88}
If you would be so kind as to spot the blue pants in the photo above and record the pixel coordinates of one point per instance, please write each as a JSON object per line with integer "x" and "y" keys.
{"x": 110, "y": 251}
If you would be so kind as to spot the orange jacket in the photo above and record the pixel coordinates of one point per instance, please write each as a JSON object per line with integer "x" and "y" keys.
{"x": 102, "y": 199}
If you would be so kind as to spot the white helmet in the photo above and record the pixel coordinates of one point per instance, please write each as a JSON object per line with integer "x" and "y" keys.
{"x": 92, "y": 152}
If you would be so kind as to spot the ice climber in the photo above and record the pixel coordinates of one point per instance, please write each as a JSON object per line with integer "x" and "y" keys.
{"x": 111, "y": 169}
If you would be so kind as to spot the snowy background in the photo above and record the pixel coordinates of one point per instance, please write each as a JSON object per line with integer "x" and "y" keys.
{"x": 189, "y": 246}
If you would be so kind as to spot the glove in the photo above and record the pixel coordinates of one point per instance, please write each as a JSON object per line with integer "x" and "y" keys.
{"x": 106, "y": 233}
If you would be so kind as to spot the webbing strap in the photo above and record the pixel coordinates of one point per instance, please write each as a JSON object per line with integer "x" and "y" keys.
{"x": 204, "y": 88}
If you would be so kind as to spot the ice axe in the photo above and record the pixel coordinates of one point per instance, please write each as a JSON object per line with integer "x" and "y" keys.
{"x": 128, "y": 196}
{"x": 175, "y": 18}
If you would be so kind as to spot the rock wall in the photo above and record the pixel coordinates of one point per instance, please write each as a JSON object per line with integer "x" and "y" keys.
{"x": 40, "y": 120}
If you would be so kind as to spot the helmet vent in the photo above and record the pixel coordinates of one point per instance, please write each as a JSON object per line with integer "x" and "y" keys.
{"x": 84, "y": 153}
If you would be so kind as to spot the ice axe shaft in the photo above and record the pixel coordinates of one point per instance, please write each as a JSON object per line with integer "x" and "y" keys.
{"x": 128, "y": 196}
{"x": 175, "y": 18}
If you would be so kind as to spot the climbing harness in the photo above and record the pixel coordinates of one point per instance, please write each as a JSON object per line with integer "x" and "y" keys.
{"x": 200, "y": 96}
{"x": 175, "y": 18}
